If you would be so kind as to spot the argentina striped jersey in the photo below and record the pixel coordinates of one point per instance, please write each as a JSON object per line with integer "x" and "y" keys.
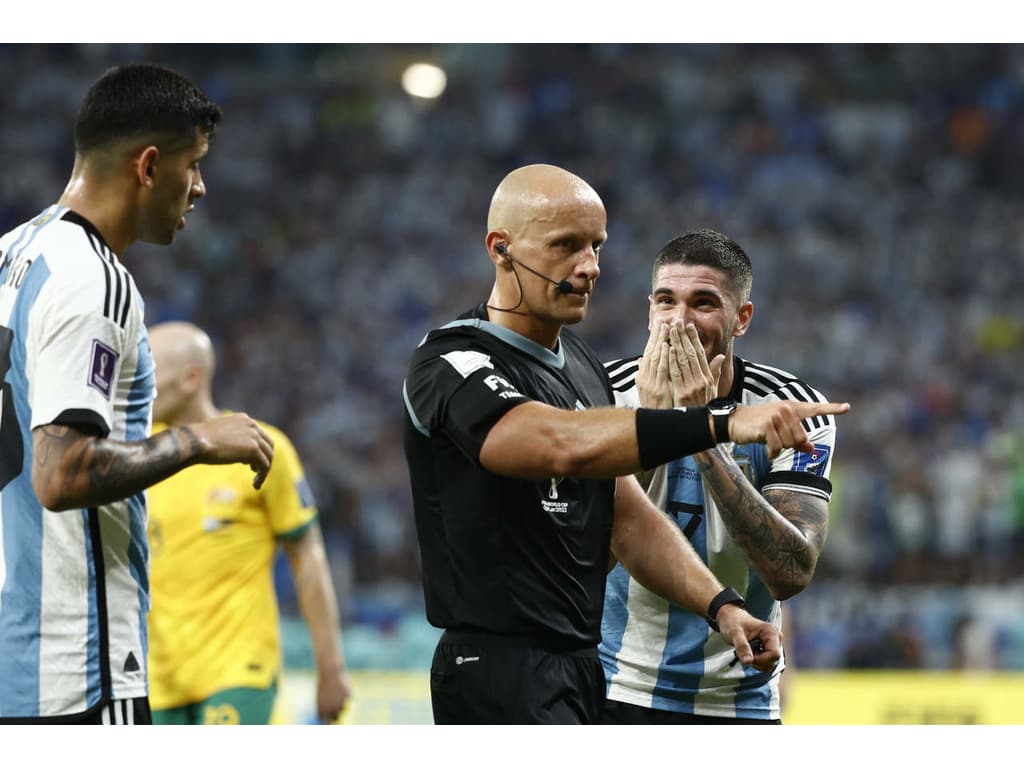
{"x": 660, "y": 656}
{"x": 74, "y": 589}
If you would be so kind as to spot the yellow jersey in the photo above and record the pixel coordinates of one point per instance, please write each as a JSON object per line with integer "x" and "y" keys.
{"x": 213, "y": 622}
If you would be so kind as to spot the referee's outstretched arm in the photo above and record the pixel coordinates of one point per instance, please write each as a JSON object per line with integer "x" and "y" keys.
{"x": 534, "y": 440}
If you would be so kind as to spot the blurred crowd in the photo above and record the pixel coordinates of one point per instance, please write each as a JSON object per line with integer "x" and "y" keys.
{"x": 875, "y": 188}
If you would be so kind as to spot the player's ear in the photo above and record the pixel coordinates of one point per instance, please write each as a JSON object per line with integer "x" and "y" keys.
{"x": 743, "y": 316}
{"x": 192, "y": 379}
{"x": 145, "y": 166}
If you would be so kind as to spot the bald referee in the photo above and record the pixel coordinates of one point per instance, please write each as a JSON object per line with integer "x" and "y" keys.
{"x": 521, "y": 476}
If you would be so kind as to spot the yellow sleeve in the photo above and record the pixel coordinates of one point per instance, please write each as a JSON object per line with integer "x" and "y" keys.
{"x": 286, "y": 494}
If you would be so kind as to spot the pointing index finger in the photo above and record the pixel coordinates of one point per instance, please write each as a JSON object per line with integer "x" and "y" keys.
{"x": 822, "y": 409}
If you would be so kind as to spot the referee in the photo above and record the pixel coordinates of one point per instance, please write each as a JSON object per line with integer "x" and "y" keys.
{"x": 521, "y": 476}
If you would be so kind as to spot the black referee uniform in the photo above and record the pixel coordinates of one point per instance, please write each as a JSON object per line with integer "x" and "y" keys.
{"x": 513, "y": 570}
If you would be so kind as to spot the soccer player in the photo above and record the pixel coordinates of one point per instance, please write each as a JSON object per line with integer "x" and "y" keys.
{"x": 758, "y": 521}
{"x": 214, "y": 643}
{"x": 75, "y": 451}
{"x": 514, "y": 449}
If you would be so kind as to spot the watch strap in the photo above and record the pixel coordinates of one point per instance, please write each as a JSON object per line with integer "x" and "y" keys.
{"x": 721, "y": 426}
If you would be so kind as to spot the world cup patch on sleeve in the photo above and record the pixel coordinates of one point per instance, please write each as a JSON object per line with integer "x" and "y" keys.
{"x": 101, "y": 373}
{"x": 814, "y": 462}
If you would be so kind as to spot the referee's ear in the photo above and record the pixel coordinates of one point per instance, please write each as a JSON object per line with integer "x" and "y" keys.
{"x": 497, "y": 247}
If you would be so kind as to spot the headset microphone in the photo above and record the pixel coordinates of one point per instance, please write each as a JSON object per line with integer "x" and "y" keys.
{"x": 564, "y": 286}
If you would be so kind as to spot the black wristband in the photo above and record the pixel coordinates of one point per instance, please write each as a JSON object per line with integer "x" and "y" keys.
{"x": 727, "y": 596}
{"x": 664, "y": 435}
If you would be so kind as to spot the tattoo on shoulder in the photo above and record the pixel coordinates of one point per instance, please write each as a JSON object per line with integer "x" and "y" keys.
{"x": 808, "y": 513}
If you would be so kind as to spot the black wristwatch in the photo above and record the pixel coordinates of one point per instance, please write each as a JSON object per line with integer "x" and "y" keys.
{"x": 721, "y": 408}
{"x": 727, "y": 596}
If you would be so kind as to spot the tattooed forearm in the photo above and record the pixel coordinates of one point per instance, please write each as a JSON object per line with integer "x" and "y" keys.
{"x": 73, "y": 470}
{"x": 782, "y": 538}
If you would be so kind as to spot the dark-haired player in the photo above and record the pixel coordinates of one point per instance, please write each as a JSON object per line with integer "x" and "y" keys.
{"x": 77, "y": 396}
{"x": 758, "y": 521}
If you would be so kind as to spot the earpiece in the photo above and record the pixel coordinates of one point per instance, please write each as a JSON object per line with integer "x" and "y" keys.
{"x": 564, "y": 286}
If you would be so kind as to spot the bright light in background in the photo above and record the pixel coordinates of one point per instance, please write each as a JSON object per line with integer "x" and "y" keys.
{"x": 424, "y": 81}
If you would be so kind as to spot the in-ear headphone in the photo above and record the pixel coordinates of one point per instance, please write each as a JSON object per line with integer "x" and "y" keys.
{"x": 564, "y": 286}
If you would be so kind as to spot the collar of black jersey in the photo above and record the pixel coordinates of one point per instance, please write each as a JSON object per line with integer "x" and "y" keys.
{"x": 554, "y": 359}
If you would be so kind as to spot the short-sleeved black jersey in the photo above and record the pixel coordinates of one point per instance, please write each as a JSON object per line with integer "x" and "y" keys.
{"x": 503, "y": 555}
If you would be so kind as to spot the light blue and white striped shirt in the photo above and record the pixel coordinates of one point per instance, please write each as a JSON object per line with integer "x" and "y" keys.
{"x": 660, "y": 656}
{"x": 74, "y": 587}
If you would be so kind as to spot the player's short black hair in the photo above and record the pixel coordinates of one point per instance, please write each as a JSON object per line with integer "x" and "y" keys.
{"x": 142, "y": 100}
{"x": 712, "y": 249}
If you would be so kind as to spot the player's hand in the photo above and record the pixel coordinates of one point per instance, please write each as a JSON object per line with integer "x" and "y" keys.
{"x": 333, "y": 691}
{"x": 235, "y": 438}
{"x": 652, "y": 377}
{"x": 693, "y": 380}
{"x": 741, "y": 630}
{"x": 778, "y": 425}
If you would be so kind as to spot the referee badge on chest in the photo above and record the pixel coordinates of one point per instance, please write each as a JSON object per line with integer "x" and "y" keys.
{"x": 559, "y": 501}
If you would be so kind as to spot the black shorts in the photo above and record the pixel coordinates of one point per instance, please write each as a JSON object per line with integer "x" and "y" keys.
{"x": 117, "y": 712}
{"x": 121, "y": 712}
{"x": 620, "y": 713}
{"x": 477, "y": 678}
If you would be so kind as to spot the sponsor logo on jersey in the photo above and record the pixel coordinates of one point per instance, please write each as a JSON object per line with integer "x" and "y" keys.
{"x": 222, "y": 495}
{"x": 101, "y": 374}
{"x": 213, "y": 524}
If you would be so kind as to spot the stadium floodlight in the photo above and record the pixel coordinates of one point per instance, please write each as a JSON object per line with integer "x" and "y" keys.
{"x": 424, "y": 81}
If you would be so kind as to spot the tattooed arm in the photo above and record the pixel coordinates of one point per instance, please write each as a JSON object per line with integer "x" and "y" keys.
{"x": 781, "y": 533}
{"x": 657, "y": 554}
{"x": 71, "y": 469}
